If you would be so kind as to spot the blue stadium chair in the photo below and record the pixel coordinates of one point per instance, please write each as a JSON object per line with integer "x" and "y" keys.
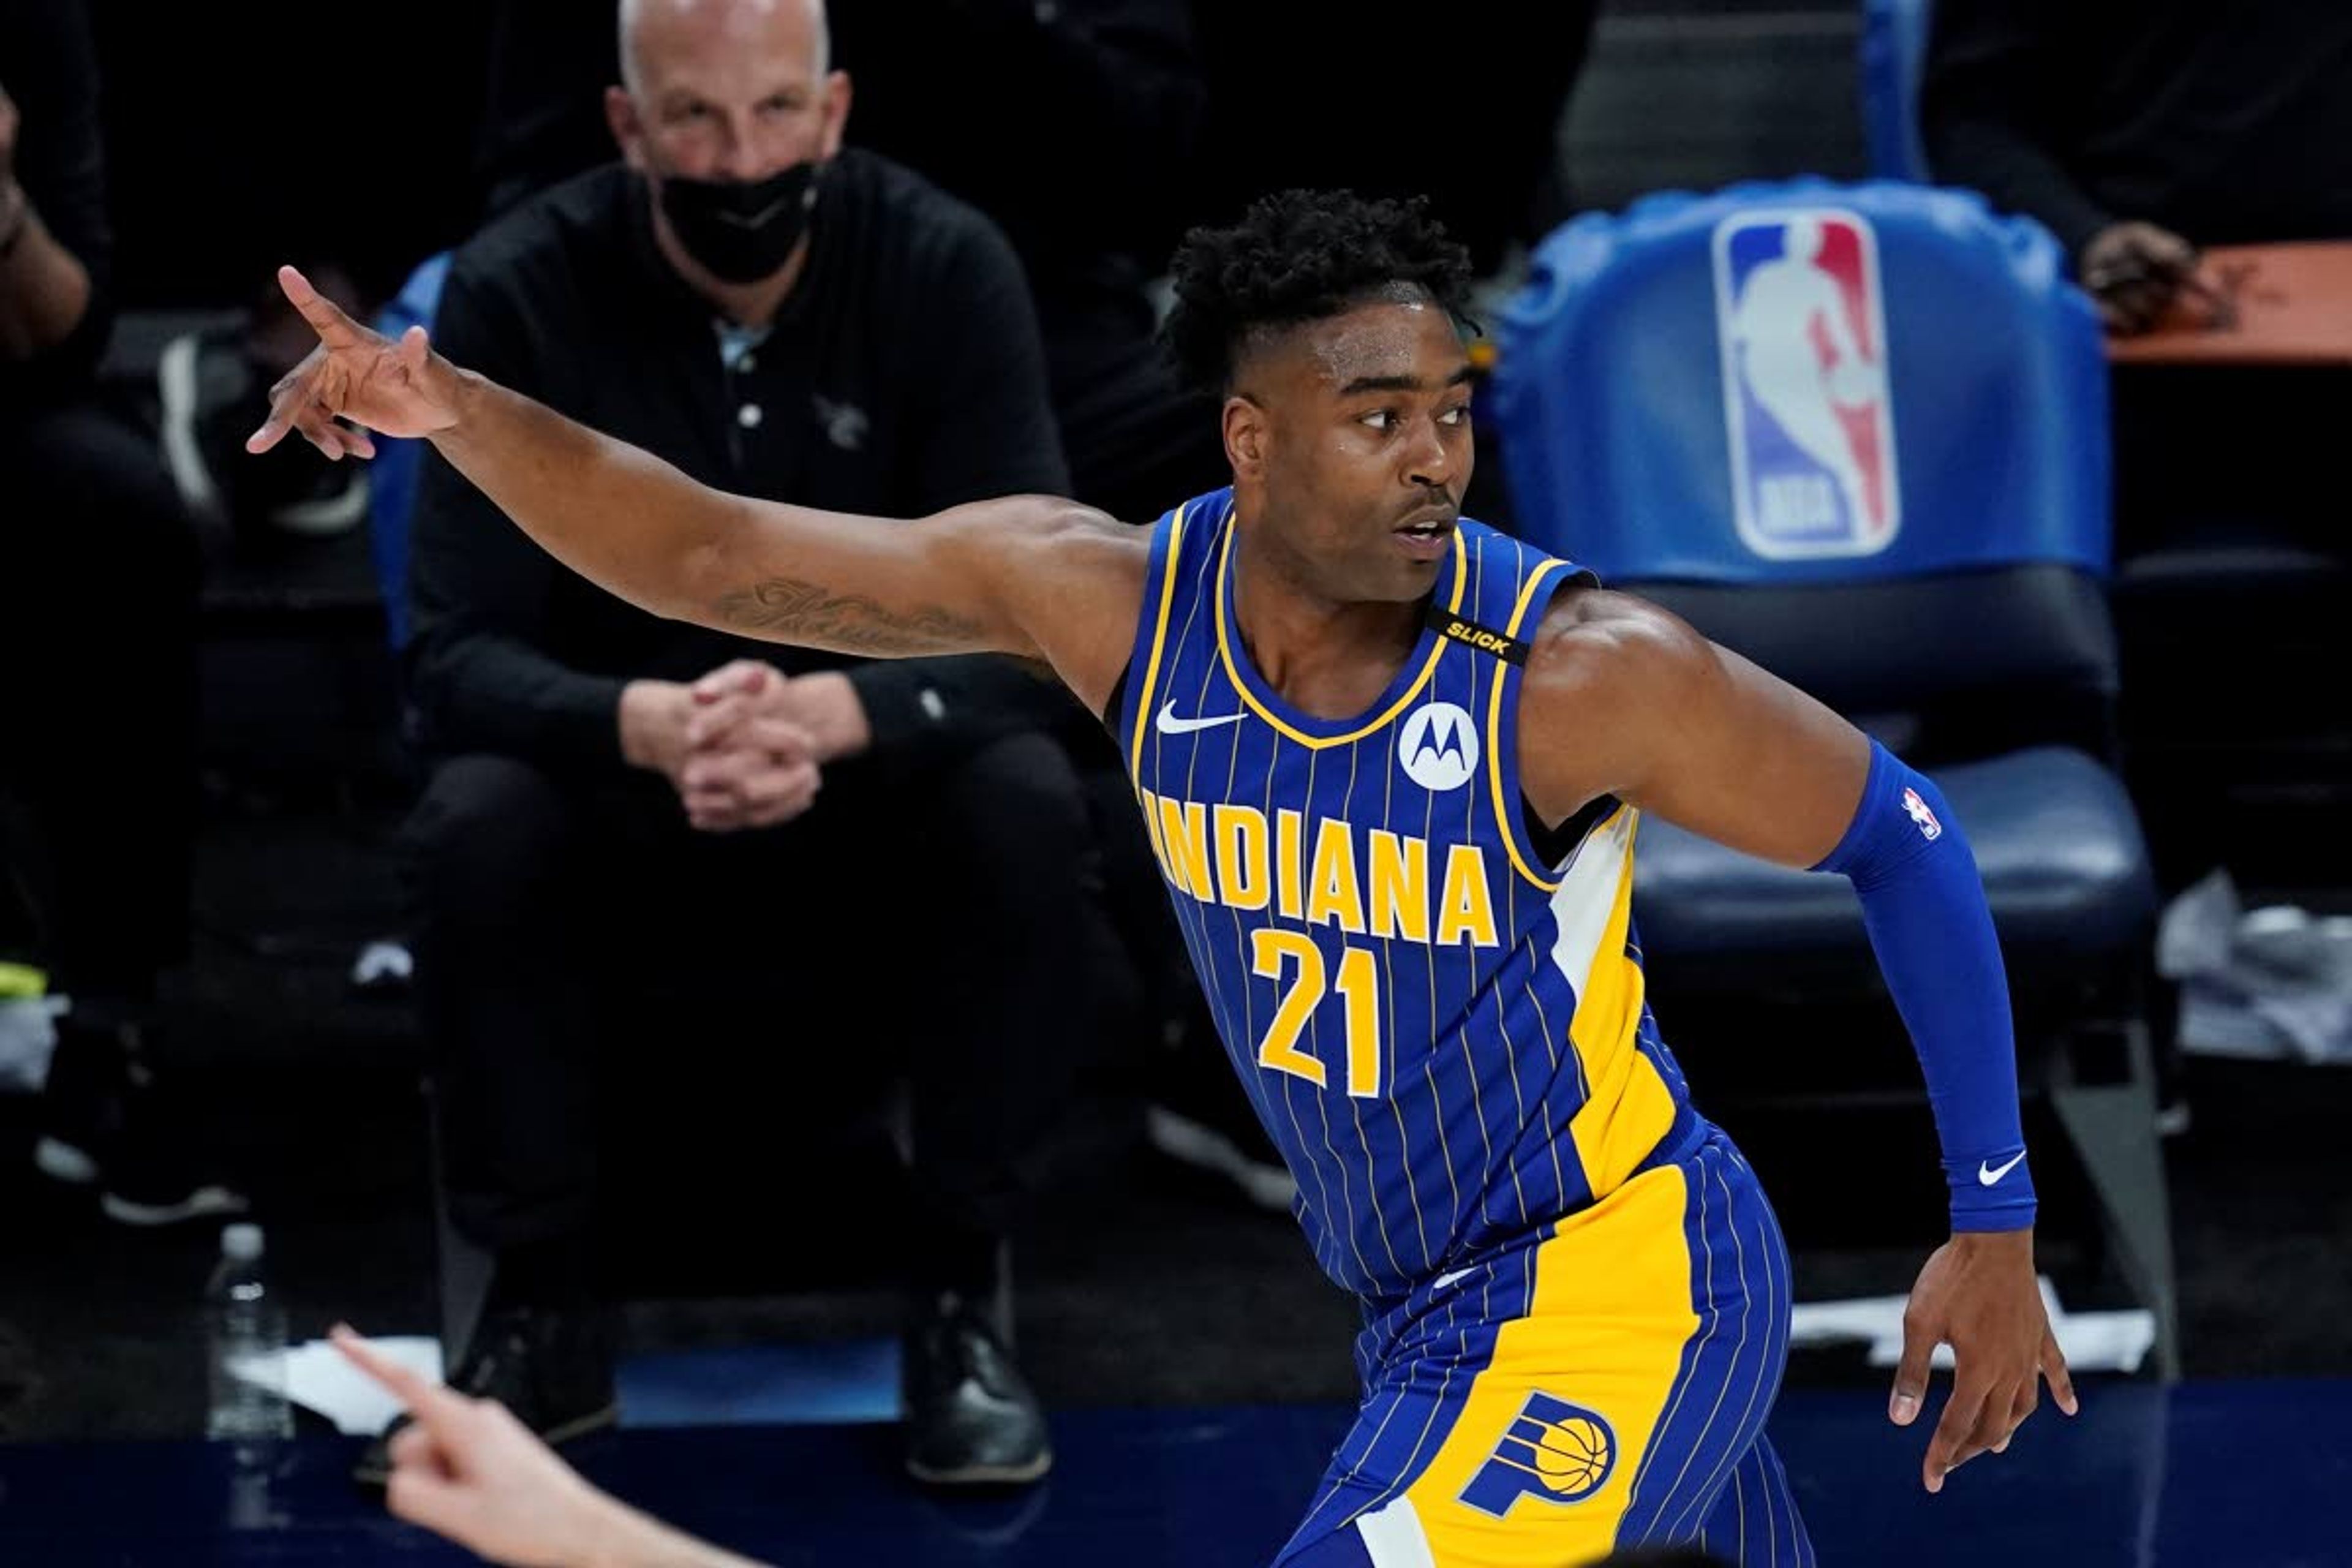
{"x": 391, "y": 478}
{"x": 1894, "y": 55}
{"x": 1919, "y": 536}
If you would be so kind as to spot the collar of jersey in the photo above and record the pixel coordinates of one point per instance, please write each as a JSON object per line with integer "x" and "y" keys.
{"x": 1261, "y": 697}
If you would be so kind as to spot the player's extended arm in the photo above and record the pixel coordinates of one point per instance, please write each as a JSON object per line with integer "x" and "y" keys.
{"x": 1624, "y": 699}
{"x": 1034, "y": 577}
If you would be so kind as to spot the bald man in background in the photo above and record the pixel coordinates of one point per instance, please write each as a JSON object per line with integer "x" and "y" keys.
{"x": 617, "y": 798}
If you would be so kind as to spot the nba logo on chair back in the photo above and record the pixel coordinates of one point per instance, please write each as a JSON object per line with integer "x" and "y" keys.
{"x": 1554, "y": 1451}
{"x": 1805, "y": 390}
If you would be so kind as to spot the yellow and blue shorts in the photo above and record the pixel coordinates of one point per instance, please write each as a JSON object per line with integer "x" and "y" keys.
{"x": 1604, "y": 1385}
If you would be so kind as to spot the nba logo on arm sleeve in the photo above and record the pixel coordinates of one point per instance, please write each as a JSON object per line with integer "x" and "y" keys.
{"x": 1920, "y": 812}
{"x": 1553, "y": 1451}
{"x": 1806, "y": 397}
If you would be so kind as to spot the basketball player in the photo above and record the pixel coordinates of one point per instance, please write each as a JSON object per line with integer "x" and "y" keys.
{"x": 1391, "y": 762}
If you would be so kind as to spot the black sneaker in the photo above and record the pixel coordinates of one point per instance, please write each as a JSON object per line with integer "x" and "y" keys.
{"x": 151, "y": 1177}
{"x": 211, "y": 394}
{"x": 972, "y": 1419}
{"x": 106, "y": 1125}
{"x": 553, "y": 1370}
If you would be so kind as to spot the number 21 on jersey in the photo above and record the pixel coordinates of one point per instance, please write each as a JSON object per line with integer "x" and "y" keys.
{"x": 1276, "y": 953}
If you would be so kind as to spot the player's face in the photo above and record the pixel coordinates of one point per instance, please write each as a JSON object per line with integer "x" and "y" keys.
{"x": 1358, "y": 438}
{"x": 729, "y": 91}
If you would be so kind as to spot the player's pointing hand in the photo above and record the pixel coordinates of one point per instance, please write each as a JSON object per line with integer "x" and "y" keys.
{"x": 355, "y": 374}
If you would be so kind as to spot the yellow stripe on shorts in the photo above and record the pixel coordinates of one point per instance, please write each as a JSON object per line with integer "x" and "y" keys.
{"x": 1613, "y": 1313}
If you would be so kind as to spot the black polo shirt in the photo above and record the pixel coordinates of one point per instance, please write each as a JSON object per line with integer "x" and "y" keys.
{"x": 902, "y": 375}
{"x": 2225, "y": 124}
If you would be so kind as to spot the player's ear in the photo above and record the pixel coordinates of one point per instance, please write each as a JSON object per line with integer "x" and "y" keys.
{"x": 1247, "y": 434}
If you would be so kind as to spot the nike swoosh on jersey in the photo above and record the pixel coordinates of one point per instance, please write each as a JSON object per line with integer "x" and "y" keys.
{"x": 1987, "y": 1174}
{"x": 1442, "y": 1280}
{"x": 1169, "y": 724}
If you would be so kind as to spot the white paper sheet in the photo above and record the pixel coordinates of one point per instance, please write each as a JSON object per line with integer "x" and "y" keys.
{"x": 318, "y": 1378}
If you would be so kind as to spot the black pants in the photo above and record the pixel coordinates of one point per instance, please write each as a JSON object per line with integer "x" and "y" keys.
{"x": 939, "y": 925}
{"x": 98, "y": 662}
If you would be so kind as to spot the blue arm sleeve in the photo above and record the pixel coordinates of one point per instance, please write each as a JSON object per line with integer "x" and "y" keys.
{"x": 1924, "y": 909}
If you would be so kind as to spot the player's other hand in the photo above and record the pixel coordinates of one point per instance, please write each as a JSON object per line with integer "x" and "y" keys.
{"x": 2134, "y": 270}
{"x": 1978, "y": 1294}
{"x": 468, "y": 1471}
{"x": 392, "y": 388}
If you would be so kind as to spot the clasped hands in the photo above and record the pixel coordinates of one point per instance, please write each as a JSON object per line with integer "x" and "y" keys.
{"x": 746, "y": 746}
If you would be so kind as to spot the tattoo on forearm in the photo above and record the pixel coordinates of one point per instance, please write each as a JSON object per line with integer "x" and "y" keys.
{"x": 800, "y": 611}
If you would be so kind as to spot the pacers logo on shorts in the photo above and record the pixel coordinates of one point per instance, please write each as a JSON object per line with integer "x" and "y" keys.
{"x": 1554, "y": 1450}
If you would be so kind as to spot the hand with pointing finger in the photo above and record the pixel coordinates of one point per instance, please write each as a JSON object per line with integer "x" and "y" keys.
{"x": 1978, "y": 1294}
{"x": 467, "y": 1470}
{"x": 392, "y": 388}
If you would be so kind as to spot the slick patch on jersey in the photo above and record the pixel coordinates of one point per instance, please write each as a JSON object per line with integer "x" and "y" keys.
{"x": 1486, "y": 639}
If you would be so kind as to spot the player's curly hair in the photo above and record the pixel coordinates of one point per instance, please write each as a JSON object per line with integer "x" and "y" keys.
{"x": 1297, "y": 256}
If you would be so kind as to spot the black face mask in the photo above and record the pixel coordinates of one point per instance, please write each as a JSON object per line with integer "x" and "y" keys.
{"x": 741, "y": 231}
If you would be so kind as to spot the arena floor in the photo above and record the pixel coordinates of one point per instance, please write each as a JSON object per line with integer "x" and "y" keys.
{"x": 2234, "y": 1474}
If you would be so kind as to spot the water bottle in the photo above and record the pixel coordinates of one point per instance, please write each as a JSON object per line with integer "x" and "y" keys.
{"x": 244, "y": 1328}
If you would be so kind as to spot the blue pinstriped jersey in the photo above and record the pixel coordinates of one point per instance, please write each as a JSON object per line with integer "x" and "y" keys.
{"x": 1444, "y": 1031}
